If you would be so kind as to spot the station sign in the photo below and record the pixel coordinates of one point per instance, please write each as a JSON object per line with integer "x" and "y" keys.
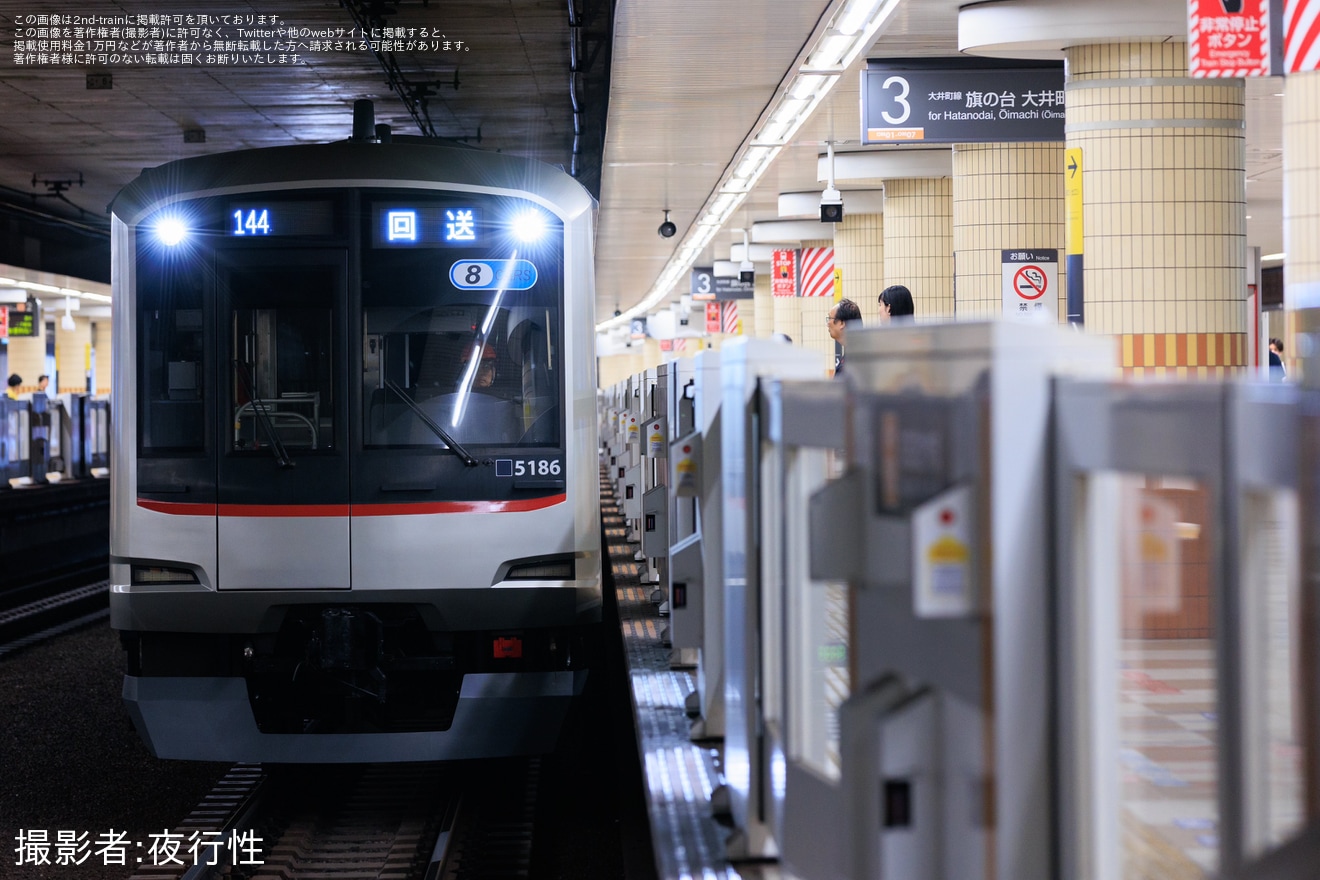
{"x": 703, "y": 283}
{"x": 1234, "y": 38}
{"x": 1031, "y": 284}
{"x": 23, "y": 320}
{"x": 954, "y": 101}
{"x": 707, "y": 287}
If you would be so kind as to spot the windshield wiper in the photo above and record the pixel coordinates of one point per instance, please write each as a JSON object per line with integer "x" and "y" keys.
{"x": 263, "y": 418}
{"x": 430, "y": 423}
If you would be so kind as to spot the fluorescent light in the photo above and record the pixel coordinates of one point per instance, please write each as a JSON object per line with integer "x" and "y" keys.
{"x": 807, "y": 84}
{"x": 1273, "y": 257}
{"x": 774, "y": 132}
{"x": 854, "y": 16}
{"x": 829, "y": 52}
{"x": 788, "y": 110}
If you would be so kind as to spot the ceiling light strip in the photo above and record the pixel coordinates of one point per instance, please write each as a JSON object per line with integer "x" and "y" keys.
{"x": 852, "y": 30}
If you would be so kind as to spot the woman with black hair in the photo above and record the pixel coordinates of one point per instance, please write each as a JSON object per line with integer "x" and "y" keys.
{"x": 896, "y": 302}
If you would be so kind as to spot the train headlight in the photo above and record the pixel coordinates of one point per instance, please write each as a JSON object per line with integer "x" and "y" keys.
{"x": 529, "y": 226}
{"x": 160, "y": 574}
{"x": 171, "y": 231}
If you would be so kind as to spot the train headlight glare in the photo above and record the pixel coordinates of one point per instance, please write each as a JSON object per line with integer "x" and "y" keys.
{"x": 171, "y": 231}
{"x": 529, "y": 226}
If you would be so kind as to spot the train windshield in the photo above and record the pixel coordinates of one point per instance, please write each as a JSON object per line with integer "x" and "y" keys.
{"x": 460, "y": 345}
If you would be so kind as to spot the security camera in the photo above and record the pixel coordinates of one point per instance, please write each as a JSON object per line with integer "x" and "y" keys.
{"x": 667, "y": 229}
{"x": 618, "y": 312}
{"x": 746, "y": 272}
{"x": 831, "y": 206}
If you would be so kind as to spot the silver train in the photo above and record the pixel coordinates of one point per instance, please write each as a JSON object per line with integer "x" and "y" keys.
{"x": 355, "y": 489}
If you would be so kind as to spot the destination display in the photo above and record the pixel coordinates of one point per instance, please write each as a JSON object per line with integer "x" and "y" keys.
{"x": 267, "y": 219}
{"x": 23, "y": 323}
{"x": 950, "y": 101}
{"x": 426, "y": 225}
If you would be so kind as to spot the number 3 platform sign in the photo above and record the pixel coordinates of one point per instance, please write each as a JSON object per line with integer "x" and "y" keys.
{"x": 1031, "y": 284}
{"x": 961, "y": 101}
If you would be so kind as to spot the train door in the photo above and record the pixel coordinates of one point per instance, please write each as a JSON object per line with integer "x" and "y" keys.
{"x": 282, "y": 488}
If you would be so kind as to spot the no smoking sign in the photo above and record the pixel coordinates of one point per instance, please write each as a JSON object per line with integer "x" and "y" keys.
{"x": 1031, "y": 280}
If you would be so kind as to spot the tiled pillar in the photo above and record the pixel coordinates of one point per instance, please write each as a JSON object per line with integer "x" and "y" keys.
{"x": 71, "y": 350}
{"x": 814, "y": 335}
{"x": 1164, "y": 212}
{"x": 27, "y": 357}
{"x": 1005, "y": 197}
{"x": 1301, "y": 216}
{"x": 918, "y": 242}
{"x": 787, "y": 314}
{"x": 613, "y": 369}
{"x": 762, "y": 323}
{"x": 103, "y": 354}
{"x": 859, "y": 252}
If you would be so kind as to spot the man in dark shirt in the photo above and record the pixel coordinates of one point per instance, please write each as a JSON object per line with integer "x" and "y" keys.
{"x": 844, "y": 311}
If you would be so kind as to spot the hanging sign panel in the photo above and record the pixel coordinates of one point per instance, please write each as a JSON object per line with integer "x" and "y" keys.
{"x": 948, "y": 101}
{"x": 734, "y": 288}
{"x": 783, "y": 273}
{"x": 1233, "y": 38}
{"x": 23, "y": 320}
{"x": 703, "y": 283}
{"x": 712, "y": 317}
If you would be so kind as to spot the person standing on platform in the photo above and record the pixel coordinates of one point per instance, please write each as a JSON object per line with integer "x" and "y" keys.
{"x": 896, "y": 302}
{"x": 14, "y": 381}
{"x": 42, "y": 381}
{"x": 1277, "y": 372}
{"x": 844, "y": 311}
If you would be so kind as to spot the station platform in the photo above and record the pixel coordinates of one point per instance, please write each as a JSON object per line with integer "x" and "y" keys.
{"x": 679, "y": 776}
{"x": 53, "y": 527}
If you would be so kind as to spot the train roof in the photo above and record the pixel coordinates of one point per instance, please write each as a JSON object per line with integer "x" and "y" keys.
{"x": 355, "y": 163}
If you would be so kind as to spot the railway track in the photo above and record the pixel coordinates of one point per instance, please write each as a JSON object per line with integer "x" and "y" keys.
{"x": 472, "y": 821}
{"x": 52, "y": 612}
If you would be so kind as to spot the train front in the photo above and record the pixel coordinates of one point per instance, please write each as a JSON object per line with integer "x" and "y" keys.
{"x": 355, "y": 496}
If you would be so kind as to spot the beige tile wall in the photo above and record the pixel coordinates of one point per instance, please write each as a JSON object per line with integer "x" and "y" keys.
{"x": 104, "y": 356}
{"x": 1163, "y": 160}
{"x": 919, "y": 242}
{"x": 788, "y": 316}
{"x": 1005, "y": 197}
{"x": 615, "y": 368}
{"x": 859, "y": 250}
{"x": 764, "y": 310}
{"x": 71, "y": 356}
{"x": 1301, "y": 205}
{"x": 27, "y": 358}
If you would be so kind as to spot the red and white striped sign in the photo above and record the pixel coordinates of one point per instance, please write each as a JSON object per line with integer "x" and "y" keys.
{"x": 1228, "y": 44}
{"x": 783, "y": 273}
{"x": 818, "y": 271}
{"x": 1301, "y": 36}
{"x": 712, "y": 317}
{"x": 680, "y": 345}
{"x": 732, "y": 325}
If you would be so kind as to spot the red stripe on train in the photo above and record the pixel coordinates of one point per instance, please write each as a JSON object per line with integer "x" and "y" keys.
{"x": 290, "y": 510}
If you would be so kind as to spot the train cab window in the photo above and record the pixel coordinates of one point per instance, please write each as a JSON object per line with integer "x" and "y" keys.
{"x": 171, "y": 358}
{"x": 479, "y": 372}
{"x": 281, "y": 384}
{"x": 433, "y": 368}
